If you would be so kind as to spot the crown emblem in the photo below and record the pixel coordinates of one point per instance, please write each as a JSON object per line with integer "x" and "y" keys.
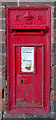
{"x": 28, "y": 16}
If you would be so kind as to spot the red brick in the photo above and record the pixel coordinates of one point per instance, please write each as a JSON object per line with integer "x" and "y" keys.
{"x": 0, "y": 93}
{"x": 52, "y": 36}
{"x": 2, "y": 24}
{"x": 3, "y": 105}
{"x": 54, "y": 11}
{"x": 52, "y": 83}
{"x": 2, "y": 59}
{"x": 44, "y": 1}
{"x": 54, "y": 58}
{"x": 52, "y": 95}
{"x": 53, "y": 47}
{"x": 54, "y": 23}
{"x": 0, "y": 82}
{"x": 3, "y": 48}
{"x": 3, "y": 82}
{"x": 54, "y": 72}
{"x": 55, "y": 35}
{"x": 4, "y": 72}
{"x": 55, "y": 95}
{"x": 34, "y": 3}
{"x": 55, "y": 83}
{"x": 10, "y": 3}
{"x": 2, "y": 36}
{"x": 2, "y": 12}
{"x": 4, "y": 93}
{"x": 0, "y": 68}
{"x": 0, "y": 104}
{"x": 0, "y": 3}
{"x": 1, "y": 116}
{"x": 52, "y": 108}
{"x": 18, "y": 115}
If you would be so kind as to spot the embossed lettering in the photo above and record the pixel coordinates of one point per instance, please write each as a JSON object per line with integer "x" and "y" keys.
{"x": 39, "y": 18}
{"x": 28, "y": 18}
{"x": 17, "y": 17}
{"x": 28, "y": 22}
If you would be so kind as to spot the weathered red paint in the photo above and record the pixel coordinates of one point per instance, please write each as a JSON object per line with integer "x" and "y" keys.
{"x": 28, "y": 92}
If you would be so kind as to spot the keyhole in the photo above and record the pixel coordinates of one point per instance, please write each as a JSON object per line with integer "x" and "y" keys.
{"x": 22, "y": 80}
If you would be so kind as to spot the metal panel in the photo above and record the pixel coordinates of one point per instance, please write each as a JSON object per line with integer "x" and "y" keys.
{"x": 28, "y": 90}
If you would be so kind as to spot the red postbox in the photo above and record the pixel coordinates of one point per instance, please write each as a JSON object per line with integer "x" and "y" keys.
{"x": 28, "y": 59}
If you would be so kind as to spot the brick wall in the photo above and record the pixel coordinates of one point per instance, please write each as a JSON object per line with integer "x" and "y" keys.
{"x": 3, "y": 76}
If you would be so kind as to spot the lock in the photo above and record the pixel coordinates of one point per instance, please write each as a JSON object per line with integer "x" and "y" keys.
{"x": 23, "y": 79}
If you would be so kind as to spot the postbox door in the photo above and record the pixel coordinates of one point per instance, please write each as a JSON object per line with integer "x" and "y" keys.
{"x": 29, "y": 61}
{"x": 29, "y": 57}
{"x": 29, "y": 75}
